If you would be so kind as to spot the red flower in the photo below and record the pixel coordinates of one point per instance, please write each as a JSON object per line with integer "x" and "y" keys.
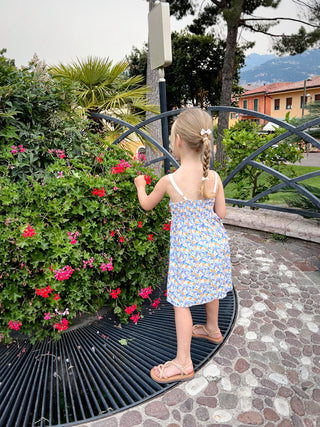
{"x": 115, "y": 293}
{"x": 121, "y": 239}
{"x": 56, "y": 297}
{"x": 167, "y": 227}
{"x": 140, "y": 224}
{"x": 29, "y": 232}
{"x": 155, "y": 303}
{"x": 63, "y": 325}
{"x": 148, "y": 179}
{"x": 15, "y": 325}
{"x": 99, "y": 192}
{"x": 112, "y": 233}
{"x": 135, "y": 317}
{"x": 44, "y": 292}
{"x": 150, "y": 237}
{"x": 130, "y": 309}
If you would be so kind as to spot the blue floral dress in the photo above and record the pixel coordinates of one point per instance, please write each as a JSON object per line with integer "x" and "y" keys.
{"x": 199, "y": 267}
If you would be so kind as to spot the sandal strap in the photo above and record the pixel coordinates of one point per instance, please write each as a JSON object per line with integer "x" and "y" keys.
{"x": 181, "y": 368}
{"x": 206, "y": 330}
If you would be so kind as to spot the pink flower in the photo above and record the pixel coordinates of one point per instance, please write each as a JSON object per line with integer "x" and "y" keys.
{"x": 15, "y": 325}
{"x": 145, "y": 292}
{"x": 108, "y": 266}
{"x": 47, "y": 316}
{"x": 60, "y": 175}
{"x": 120, "y": 167}
{"x": 72, "y": 237}
{"x": 89, "y": 262}
{"x": 14, "y": 149}
{"x": 64, "y": 273}
{"x": 135, "y": 317}
{"x": 22, "y": 150}
{"x": 130, "y": 309}
{"x": 56, "y": 297}
{"x": 155, "y": 303}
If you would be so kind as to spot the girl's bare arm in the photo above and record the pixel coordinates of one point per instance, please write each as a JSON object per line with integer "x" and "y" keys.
{"x": 220, "y": 202}
{"x": 146, "y": 201}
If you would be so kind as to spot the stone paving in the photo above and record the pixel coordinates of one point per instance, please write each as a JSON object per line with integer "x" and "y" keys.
{"x": 268, "y": 370}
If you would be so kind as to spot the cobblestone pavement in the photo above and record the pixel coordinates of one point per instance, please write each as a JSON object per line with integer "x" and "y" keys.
{"x": 268, "y": 370}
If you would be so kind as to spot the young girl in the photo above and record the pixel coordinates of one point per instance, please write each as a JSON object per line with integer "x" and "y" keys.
{"x": 199, "y": 266}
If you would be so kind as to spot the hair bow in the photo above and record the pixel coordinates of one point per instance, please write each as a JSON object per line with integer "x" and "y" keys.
{"x": 205, "y": 132}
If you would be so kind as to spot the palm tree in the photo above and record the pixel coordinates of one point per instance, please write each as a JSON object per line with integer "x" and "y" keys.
{"x": 103, "y": 87}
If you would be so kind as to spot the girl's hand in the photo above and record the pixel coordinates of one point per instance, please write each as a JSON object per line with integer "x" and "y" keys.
{"x": 139, "y": 181}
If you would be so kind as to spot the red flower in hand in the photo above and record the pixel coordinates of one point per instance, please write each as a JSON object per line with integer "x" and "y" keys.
{"x": 148, "y": 179}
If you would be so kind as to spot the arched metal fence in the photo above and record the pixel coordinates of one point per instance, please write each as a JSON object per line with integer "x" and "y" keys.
{"x": 286, "y": 181}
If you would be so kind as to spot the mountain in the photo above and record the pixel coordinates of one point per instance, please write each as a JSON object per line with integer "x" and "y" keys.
{"x": 280, "y": 69}
{"x": 254, "y": 60}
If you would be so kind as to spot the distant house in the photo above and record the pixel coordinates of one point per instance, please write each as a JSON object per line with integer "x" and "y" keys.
{"x": 276, "y": 99}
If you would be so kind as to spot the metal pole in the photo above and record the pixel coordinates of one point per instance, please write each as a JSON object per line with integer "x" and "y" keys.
{"x": 164, "y": 120}
{"x": 304, "y": 97}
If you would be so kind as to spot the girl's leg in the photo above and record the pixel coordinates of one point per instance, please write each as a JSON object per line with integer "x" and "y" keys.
{"x": 211, "y": 329}
{"x": 183, "y": 320}
{"x": 212, "y": 311}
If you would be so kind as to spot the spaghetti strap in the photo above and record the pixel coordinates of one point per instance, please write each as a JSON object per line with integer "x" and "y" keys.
{"x": 176, "y": 187}
{"x": 216, "y": 182}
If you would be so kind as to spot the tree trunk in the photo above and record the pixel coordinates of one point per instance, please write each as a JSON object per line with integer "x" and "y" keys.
{"x": 232, "y": 18}
{"x": 153, "y": 97}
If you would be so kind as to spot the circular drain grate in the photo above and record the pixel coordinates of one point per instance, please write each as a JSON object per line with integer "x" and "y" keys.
{"x": 95, "y": 370}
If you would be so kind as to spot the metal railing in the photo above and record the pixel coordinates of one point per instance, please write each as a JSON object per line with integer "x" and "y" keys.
{"x": 286, "y": 181}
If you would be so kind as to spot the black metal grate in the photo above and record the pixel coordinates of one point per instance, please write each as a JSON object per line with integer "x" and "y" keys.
{"x": 89, "y": 373}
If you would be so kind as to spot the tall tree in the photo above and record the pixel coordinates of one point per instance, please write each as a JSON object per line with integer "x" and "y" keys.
{"x": 196, "y": 71}
{"x": 305, "y": 38}
{"x": 233, "y": 13}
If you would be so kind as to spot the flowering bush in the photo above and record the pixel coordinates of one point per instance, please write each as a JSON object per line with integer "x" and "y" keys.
{"x": 67, "y": 248}
{"x": 72, "y": 233}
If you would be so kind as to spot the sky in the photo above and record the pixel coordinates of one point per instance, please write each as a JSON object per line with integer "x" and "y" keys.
{"x": 62, "y": 30}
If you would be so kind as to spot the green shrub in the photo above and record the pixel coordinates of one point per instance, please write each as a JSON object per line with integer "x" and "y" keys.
{"x": 242, "y": 140}
{"x": 72, "y": 233}
{"x": 86, "y": 229}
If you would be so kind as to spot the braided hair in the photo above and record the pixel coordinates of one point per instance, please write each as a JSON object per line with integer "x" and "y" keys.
{"x": 194, "y": 126}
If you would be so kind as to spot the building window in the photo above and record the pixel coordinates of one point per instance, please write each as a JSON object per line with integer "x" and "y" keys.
{"x": 305, "y": 101}
{"x": 255, "y": 104}
{"x": 288, "y": 103}
{"x": 245, "y": 103}
{"x": 317, "y": 98}
{"x": 277, "y": 104}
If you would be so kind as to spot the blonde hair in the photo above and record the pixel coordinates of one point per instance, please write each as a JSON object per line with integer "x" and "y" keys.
{"x": 194, "y": 126}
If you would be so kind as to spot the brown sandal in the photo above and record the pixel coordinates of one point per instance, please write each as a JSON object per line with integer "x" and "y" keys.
{"x": 206, "y": 335}
{"x": 183, "y": 376}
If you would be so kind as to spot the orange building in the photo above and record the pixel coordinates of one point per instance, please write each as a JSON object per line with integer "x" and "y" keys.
{"x": 277, "y": 99}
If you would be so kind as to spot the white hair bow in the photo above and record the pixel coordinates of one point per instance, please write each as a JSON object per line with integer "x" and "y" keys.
{"x": 205, "y": 132}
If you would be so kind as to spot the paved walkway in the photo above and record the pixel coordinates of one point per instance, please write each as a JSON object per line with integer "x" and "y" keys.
{"x": 268, "y": 370}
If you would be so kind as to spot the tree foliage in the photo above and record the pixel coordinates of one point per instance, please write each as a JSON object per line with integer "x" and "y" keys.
{"x": 304, "y": 38}
{"x": 196, "y": 71}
